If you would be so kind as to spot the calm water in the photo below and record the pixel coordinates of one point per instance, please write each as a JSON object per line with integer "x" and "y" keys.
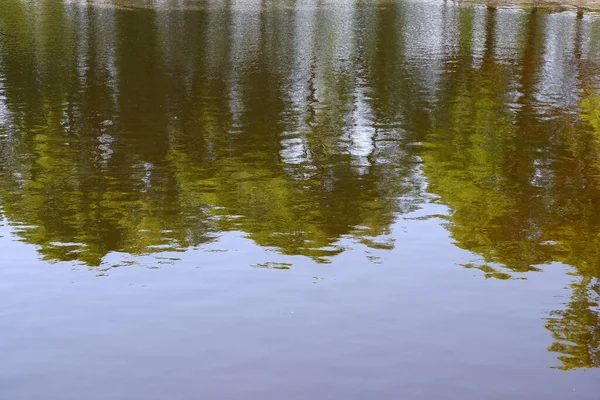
{"x": 247, "y": 199}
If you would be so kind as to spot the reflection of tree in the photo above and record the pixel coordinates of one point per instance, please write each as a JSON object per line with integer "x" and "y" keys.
{"x": 297, "y": 207}
{"x": 523, "y": 188}
{"x": 468, "y": 160}
{"x": 94, "y": 184}
{"x": 591, "y": 113}
{"x": 136, "y": 143}
{"x": 577, "y": 328}
{"x": 299, "y": 128}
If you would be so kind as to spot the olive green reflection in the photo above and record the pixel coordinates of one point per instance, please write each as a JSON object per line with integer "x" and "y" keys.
{"x": 302, "y": 125}
{"x": 125, "y": 138}
{"x": 521, "y": 170}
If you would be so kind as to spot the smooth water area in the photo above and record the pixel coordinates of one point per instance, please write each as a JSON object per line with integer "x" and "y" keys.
{"x": 250, "y": 199}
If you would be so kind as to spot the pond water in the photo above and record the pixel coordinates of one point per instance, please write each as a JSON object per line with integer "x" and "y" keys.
{"x": 250, "y": 199}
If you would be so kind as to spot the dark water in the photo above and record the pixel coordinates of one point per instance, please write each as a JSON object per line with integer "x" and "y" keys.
{"x": 298, "y": 200}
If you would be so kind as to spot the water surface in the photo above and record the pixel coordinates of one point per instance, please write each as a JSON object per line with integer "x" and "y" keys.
{"x": 298, "y": 199}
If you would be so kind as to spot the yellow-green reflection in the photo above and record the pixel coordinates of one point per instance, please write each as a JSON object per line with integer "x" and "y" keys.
{"x": 135, "y": 141}
{"x": 305, "y": 124}
{"x": 522, "y": 175}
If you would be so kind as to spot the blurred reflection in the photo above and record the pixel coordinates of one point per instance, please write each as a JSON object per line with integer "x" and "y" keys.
{"x": 121, "y": 136}
{"x": 304, "y": 123}
{"x": 508, "y": 152}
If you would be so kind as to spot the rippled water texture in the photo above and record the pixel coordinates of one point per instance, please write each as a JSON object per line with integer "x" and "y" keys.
{"x": 246, "y": 199}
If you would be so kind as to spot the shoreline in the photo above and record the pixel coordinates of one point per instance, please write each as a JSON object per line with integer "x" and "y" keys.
{"x": 564, "y": 5}
{"x": 551, "y": 5}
